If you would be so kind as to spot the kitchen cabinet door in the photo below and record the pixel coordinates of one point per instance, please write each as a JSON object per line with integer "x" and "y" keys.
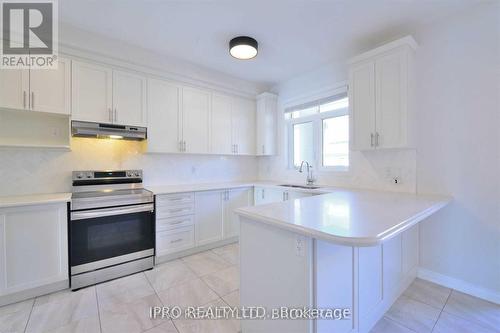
{"x": 50, "y": 89}
{"x": 208, "y": 217}
{"x": 391, "y": 99}
{"x": 362, "y": 105}
{"x": 195, "y": 120}
{"x": 266, "y": 124}
{"x": 243, "y": 126}
{"x": 297, "y": 195}
{"x": 33, "y": 247}
{"x": 163, "y": 117}
{"x": 129, "y": 99}
{"x": 265, "y": 195}
{"x": 220, "y": 130}
{"x": 235, "y": 198}
{"x": 92, "y": 89}
{"x": 14, "y": 88}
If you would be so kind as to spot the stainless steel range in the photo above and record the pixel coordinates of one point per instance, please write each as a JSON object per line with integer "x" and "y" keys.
{"x": 111, "y": 226}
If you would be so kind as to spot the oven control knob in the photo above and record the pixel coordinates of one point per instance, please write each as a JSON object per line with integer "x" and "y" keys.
{"x": 89, "y": 175}
{"x": 136, "y": 174}
{"x": 129, "y": 174}
{"x": 79, "y": 175}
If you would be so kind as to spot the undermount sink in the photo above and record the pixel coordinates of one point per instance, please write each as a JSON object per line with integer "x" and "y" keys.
{"x": 307, "y": 187}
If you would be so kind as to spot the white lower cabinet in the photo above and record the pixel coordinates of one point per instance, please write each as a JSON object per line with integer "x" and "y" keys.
{"x": 234, "y": 199}
{"x": 265, "y": 195}
{"x": 174, "y": 240}
{"x": 208, "y": 217}
{"x": 33, "y": 247}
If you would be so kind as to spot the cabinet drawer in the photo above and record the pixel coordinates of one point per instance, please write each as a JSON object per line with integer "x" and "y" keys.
{"x": 174, "y": 199}
{"x": 174, "y": 222}
{"x": 174, "y": 240}
{"x": 173, "y": 211}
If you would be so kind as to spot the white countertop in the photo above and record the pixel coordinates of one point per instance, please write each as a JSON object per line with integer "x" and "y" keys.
{"x": 168, "y": 189}
{"x": 348, "y": 217}
{"x": 34, "y": 199}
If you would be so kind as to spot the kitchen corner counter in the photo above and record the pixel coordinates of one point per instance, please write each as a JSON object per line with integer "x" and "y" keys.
{"x": 33, "y": 199}
{"x": 348, "y": 217}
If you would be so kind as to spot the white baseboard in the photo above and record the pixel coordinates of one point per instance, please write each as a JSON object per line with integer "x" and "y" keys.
{"x": 460, "y": 285}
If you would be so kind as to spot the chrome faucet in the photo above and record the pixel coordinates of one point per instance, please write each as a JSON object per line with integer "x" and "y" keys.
{"x": 310, "y": 179}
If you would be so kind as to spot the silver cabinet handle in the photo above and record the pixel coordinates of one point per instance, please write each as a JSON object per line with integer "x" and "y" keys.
{"x": 371, "y": 139}
{"x": 24, "y": 99}
{"x": 176, "y": 241}
{"x": 180, "y": 145}
{"x": 178, "y": 222}
{"x": 263, "y": 193}
{"x": 110, "y": 115}
{"x": 263, "y": 149}
{"x": 110, "y": 212}
{"x": 178, "y": 210}
{"x": 116, "y": 116}
{"x": 184, "y": 146}
{"x": 32, "y": 100}
{"x": 376, "y": 139}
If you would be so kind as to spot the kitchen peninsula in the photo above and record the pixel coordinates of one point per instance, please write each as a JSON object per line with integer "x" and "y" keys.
{"x": 345, "y": 249}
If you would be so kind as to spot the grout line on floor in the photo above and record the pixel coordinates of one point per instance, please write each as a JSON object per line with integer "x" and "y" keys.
{"x": 439, "y": 317}
{"x": 396, "y": 322}
{"x": 29, "y": 316}
{"x": 98, "y": 309}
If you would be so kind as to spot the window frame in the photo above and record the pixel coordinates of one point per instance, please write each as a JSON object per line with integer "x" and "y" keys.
{"x": 317, "y": 122}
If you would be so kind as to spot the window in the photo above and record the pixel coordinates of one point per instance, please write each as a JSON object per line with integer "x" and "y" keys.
{"x": 318, "y": 132}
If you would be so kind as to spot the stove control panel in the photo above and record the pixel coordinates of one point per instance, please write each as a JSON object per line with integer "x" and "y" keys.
{"x": 106, "y": 175}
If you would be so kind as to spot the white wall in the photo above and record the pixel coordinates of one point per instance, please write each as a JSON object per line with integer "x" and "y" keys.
{"x": 458, "y": 90}
{"x": 26, "y": 171}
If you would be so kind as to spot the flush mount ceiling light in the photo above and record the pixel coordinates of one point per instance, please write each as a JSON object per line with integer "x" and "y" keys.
{"x": 243, "y": 47}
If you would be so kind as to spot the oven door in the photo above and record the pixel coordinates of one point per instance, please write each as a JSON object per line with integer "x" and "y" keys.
{"x": 110, "y": 236}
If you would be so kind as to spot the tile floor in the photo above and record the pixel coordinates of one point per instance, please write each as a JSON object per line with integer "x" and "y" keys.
{"x": 212, "y": 278}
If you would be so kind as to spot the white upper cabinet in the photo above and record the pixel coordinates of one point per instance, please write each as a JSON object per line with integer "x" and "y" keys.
{"x": 14, "y": 88}
{"x": 195, "y": 120}
{"x": 362, "y": 103}
{"x": 221, "y": 140}
{"x": 163, "y": 117}
{"x": 267, "y": 106}
{"x": 50, "y": 88}
{"x": 45, "y": 90}
{"x": 391, "y": 103}
{"x": 92, "y": 90}
{"x": 101, "y": 94}
{"x": 380, "y": 93}
{"x": 243, "y": 126}
{"x": 129, "y": 98}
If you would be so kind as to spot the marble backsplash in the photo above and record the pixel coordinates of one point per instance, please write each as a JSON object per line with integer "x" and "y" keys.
{"x": 30, "y": 171}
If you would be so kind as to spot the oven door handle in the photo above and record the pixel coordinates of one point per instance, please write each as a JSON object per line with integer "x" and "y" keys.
{"x": 83, "y": 215}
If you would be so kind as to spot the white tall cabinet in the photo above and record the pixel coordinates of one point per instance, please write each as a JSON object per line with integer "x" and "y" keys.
{"x": 33, "y": 247}
{"x": 381, "y": 97}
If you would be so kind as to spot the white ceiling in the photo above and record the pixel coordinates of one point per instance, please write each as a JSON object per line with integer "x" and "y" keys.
{"x": 294, "y": 36}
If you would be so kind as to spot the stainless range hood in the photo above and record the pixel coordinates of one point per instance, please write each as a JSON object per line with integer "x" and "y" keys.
{"x": 107, "y": 131}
